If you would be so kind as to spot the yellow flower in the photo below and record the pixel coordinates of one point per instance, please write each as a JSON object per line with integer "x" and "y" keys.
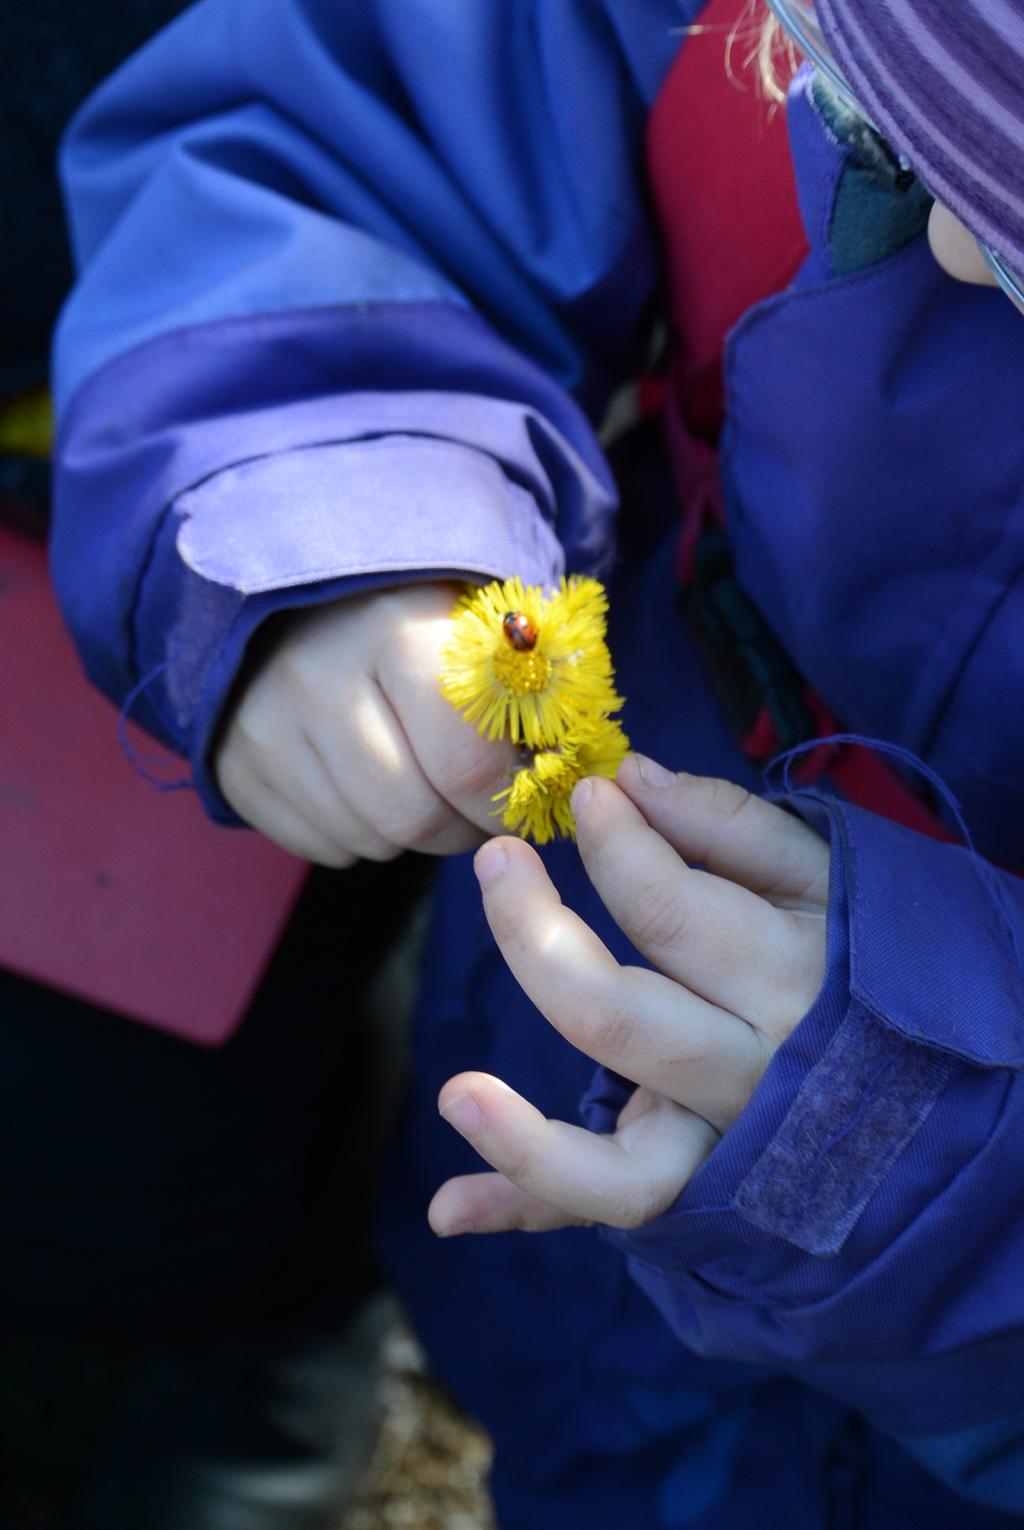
{"x": 529, "y": 666}
{"x": 536, "y": 805}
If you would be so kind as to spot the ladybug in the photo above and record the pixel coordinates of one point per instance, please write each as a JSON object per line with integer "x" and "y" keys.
{"x": 519, "y": 630}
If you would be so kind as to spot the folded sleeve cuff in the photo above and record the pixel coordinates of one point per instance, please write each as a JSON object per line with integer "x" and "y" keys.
{"x": 390, "y": 505}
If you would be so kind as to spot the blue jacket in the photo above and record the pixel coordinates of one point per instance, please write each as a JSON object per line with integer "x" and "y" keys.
{"x": 384, "y": 260}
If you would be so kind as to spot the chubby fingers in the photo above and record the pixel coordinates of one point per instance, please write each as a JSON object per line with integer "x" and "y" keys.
{"x": 314, "y": 753}
{"x": 464, "y": 769}
{"x": 733, "y": 947}
{"x": 332, "y": 786}
{"x": 621, "y": 1181}
{"x": 390, "y": 804}
{"x": 256, "y": 801}
{"x": 650, "y": 1029}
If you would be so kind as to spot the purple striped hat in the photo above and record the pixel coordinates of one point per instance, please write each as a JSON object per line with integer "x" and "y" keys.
{"x": 943, "y": 81}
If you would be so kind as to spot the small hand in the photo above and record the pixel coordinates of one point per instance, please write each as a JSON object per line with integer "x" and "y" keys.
{"x": 739, "y": 950}
{"x": 338, "y": 744}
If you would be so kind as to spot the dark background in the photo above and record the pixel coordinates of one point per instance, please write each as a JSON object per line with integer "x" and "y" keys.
{"x": 53, "y": 53}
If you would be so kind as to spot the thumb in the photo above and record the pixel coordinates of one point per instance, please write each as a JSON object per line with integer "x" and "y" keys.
{"x": 466, "y": 769}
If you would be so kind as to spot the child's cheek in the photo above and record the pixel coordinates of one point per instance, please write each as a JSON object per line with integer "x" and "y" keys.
{"x": 956, "y": 249}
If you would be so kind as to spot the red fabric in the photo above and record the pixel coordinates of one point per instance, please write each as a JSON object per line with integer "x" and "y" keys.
{"x": 864, "y": 778}
{"x": 731, "y": 234}
{"x": 760, "y": 741}
{"x": 729, "y": 218}
{"x": 725, "y": 198}
{"x": 109, "y": 890}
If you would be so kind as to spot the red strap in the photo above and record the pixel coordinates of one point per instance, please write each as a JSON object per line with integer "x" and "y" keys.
{"x": 864, "y": 777}
{"x": 861, "y": 774}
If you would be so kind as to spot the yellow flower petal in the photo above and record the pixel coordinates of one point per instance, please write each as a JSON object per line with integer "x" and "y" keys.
{"x": 532, "y": 695}
{"x": 536, "y": 805}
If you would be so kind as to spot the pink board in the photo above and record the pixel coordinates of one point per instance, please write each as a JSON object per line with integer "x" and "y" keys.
{"x": 110, "y": 890}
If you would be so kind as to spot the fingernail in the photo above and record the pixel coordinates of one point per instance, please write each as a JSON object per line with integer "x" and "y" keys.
{"x": 464, "y": 1114}
{"x": 489, "y": 863}
{"x": 653, "y": 774}
{"x": 581, "y": 795}
{"x": 455, "y": 1230}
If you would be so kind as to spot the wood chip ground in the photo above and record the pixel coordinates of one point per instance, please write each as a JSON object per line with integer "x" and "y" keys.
{"x": 430, "y": 1465}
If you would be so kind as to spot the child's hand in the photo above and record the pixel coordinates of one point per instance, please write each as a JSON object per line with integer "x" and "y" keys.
{"x": 741, "y": 947}
{"x": 339, "y": 745}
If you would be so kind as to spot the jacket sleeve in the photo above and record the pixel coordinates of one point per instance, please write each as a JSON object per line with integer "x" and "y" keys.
{"x": 354, "y": 282}
{"x": 860, "y": 1225}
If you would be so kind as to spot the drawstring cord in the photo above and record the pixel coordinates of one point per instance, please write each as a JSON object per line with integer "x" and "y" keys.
{"x": 991, "y": 880}
{"x": 143, "y": 764}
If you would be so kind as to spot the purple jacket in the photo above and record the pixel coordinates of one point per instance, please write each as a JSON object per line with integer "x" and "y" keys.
{"x": 314, "y": 275}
